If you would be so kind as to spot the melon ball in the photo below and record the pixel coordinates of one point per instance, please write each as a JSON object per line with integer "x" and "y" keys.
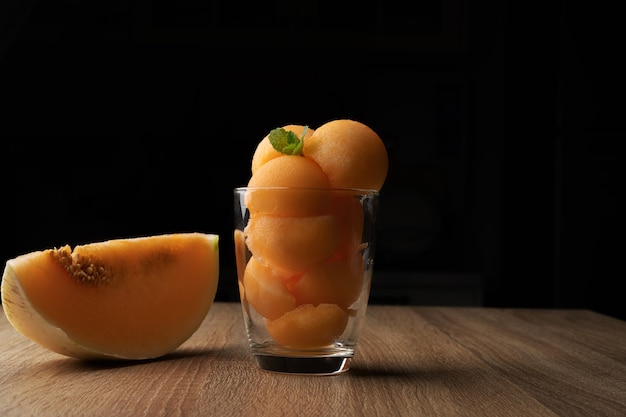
{"x": 240, "y": 260}
{"x": 304, "y": 188}
{"x": 350, "y": 216}
{"x": 265, "y": 151}
{"x": 336, "y": 282}
{"x": 292, "y": 244}
{"x": 350, "y": 153}
{"x": 266, "y": 290}
{"x": 309, "y": 326}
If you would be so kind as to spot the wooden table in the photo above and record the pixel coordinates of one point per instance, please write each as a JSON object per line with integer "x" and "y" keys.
{"x": 412, "y": 361}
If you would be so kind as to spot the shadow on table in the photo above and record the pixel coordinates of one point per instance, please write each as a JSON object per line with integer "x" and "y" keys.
{"x": 81, "y": 365}
{"x": 421, "y": 373}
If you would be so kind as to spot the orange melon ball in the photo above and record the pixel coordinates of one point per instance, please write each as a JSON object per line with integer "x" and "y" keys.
{"x": 297, "y": 174}
{"x": 337, "y": 282}
{"x": 265, "y": 151}
{"x": 266, "y": 290}
{"x": 309, "y": 326}
{"x": 240, "y": 260}
{"x": 350, "y": 217}
{"x": 292, "y": 244}
{"x": 350, "y": 153}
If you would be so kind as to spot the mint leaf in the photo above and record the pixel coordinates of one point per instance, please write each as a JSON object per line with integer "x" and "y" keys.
{"x": 287, "y": 142}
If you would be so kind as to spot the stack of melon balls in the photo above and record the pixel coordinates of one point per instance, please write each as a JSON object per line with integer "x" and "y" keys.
{"x": 305, "y": 269}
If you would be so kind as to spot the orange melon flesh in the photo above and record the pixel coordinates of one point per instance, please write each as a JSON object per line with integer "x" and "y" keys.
{"x": 337, "y": 282}
{"x": 265, "y": 150}
{"x": 292, "y": 243}
{"x": 350, "y": 153}
{"x": 266, "y": 290}
{"x": 139, "y": 298}
{"x": 308, "y": 326}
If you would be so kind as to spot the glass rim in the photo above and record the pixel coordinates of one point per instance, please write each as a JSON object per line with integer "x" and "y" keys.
{"x": 364, "y": 191}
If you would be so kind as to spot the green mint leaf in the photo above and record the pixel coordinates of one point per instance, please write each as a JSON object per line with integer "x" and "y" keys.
{"x": 287, "y": 142}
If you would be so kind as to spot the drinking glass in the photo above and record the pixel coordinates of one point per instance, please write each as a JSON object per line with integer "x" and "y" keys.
{"x": 305, "y": 259}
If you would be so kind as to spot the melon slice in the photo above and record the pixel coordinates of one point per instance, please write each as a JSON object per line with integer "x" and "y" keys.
{"x": 136, "y": 298}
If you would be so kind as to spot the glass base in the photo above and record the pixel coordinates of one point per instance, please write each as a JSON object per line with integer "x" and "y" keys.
{"x": 321, "y": 365}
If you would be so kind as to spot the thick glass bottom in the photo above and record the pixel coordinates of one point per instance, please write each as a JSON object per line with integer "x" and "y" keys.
{"x": 321, "y": 365}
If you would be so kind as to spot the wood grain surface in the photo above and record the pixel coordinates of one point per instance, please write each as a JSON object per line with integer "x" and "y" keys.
{"x": 411, "y": 361}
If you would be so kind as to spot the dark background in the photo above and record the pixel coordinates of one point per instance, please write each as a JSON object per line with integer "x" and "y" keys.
{"x": 502, "y": 122}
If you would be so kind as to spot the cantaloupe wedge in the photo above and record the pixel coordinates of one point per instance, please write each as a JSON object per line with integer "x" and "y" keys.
{"x": 136, "y": 298}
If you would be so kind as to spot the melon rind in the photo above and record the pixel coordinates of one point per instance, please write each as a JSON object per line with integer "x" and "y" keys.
{"x": 26, "y": 320}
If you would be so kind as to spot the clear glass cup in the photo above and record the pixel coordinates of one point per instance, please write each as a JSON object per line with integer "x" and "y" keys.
{"x": 305, "y": 259}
